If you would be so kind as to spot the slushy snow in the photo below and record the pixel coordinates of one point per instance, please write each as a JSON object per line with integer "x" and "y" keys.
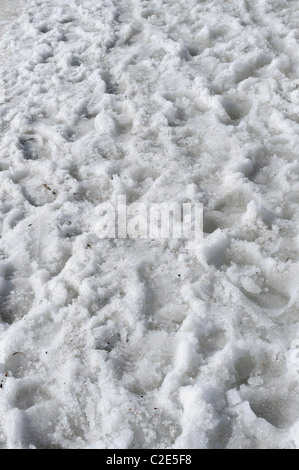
{"x": 142, "y": 343}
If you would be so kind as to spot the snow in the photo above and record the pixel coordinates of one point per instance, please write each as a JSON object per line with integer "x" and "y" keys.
{"x": 144, "y": 343}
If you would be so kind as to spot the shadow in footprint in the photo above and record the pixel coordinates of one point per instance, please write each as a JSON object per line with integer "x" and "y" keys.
{"x": 27, "y": 147}
{"x": 235, "y": 111}
{"x": 111, "y": 87}
{"x": 6, "y": 288}
{"x": 279, "y": 411}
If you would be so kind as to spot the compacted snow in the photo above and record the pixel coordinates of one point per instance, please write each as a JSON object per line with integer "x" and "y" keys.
{"x": 144, "y": 343}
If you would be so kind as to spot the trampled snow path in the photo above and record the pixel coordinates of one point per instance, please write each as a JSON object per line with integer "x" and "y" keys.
{"x": 142, "y": 343}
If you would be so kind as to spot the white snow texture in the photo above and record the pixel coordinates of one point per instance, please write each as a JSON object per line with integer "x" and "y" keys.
{"x": 142, "y": 343}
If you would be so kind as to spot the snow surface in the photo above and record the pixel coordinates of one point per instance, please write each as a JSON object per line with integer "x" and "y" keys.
{"x": 122, "y": 343}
